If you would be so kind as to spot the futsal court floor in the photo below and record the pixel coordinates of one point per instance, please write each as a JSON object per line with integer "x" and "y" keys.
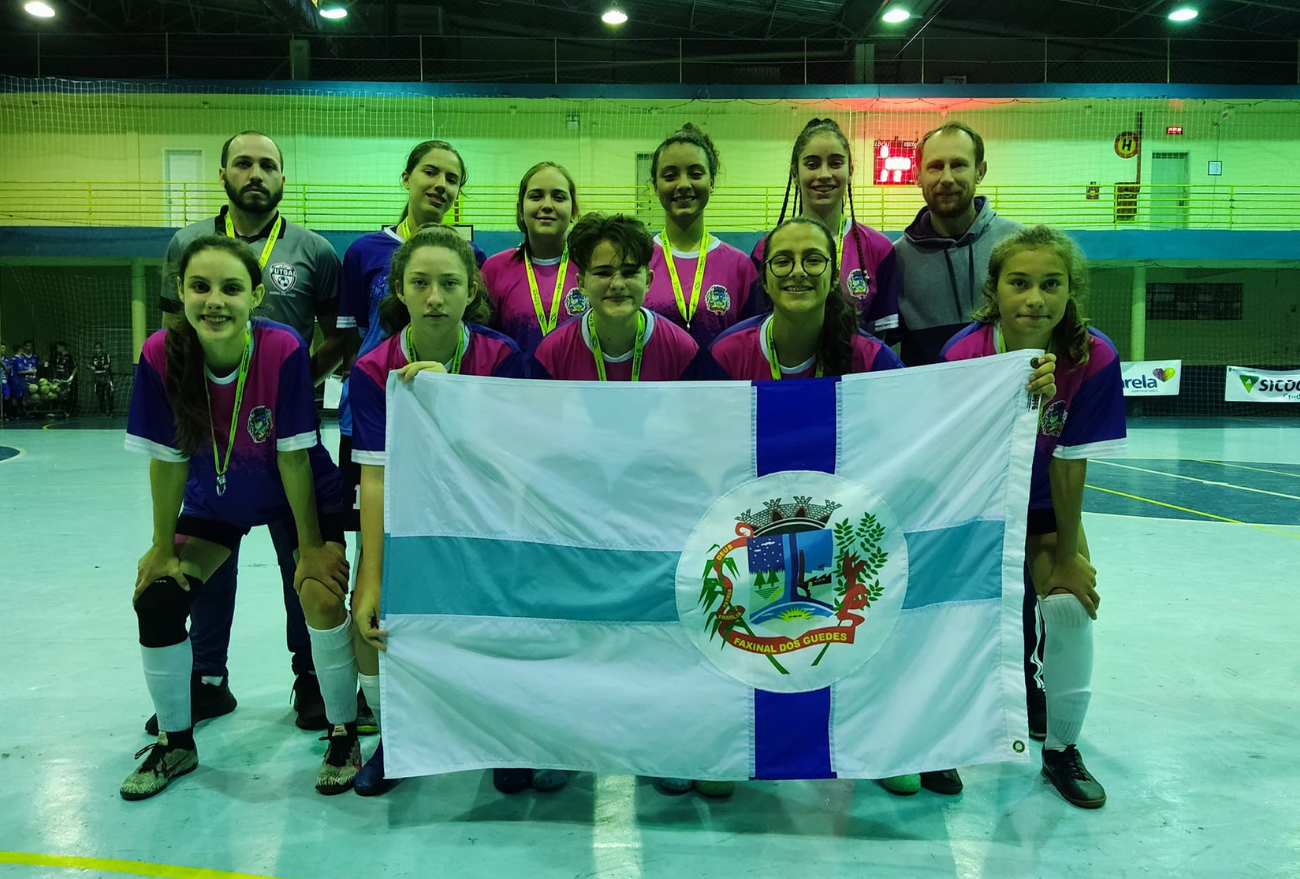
{"x": 1193, "y": 727}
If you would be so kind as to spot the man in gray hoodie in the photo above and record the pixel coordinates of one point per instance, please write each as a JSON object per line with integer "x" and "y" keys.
{"x": 943, "y": 255}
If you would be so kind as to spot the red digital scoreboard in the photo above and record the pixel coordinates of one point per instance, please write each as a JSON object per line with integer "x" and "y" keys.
{"x": 895, "y": 163}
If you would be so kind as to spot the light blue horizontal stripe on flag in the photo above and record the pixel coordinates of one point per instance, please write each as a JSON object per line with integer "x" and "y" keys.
{"x": 962, "y": 563}
{"x": 506, "y": 578}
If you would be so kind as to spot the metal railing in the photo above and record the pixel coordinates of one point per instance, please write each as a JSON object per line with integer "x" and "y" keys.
{"x": 351, "y": 207}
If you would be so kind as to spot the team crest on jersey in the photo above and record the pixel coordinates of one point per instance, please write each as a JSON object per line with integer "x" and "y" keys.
{"x": 575, "y": 303}
{"x": 259, "y": 423}
{"x": 283, "y": 276}
{"x": 1053, "y": 418}
{"x": 858, "y": 284}
{"x": 717, "y": 300}
{"x": 793, "y": 580}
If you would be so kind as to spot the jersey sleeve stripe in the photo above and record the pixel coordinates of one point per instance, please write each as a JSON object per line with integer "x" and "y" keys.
{"x": 1102, "y": 449}
{"x": 296, "y": 443}
{"x": 343, "y": 322}
{"x": 154, "y": 450}
{"x": 361, "y": 456}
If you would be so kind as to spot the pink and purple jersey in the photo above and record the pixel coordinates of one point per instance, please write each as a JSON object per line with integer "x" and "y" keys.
{"x": 725, "y": 292}
{"x": 277, "y": 414}
{"x": 512, "y": 301}
{"x": 1083, "y": 420}
{"x": 566, "y": 354}
{"x": 870, "y": 281}
{"x": 487, "y": 352}
{"x": 362, "y": 286}
{"x": 741, "y": 354}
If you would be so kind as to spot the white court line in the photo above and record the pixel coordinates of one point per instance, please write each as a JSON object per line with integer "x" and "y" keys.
{"x": 1194, "y": 479}
{"x": 616, "y": 837}
{"x": 1244, "y": 467}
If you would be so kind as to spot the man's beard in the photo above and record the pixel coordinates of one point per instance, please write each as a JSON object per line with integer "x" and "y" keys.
{"x": 957, "y": 210}
{"x": 241, "y": 200}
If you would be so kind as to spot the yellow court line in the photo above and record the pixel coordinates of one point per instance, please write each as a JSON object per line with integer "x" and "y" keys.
{"x": 1194, "y": 512}
{"x": 113, "y": 865}
{"x": 1244, "y": 467}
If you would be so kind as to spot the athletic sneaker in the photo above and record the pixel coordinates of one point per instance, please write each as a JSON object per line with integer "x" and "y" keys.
{"x": 672, "y": 787}
{"x": 342, "y": 760}
{"x": 943, "y": 781}
{"x": 371, "y": 781}
{"x": 512, "y": 781}
{"x": 165, "y": 762}
{"x": 1065, "y": 770}
{"x": 366, "y": 723}
{"x": 548, "y": 780}
{"x": 901, "y": 785}
{"x": 1036, "y": 703}
{"x": 206, "y": 702}
{"x": 308, "y": 703}
{"x": 716, "y": 789}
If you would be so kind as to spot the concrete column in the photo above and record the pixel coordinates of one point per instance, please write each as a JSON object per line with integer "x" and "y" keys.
{"x": 1138, "y": 320}
{"x": 139, "y": 329}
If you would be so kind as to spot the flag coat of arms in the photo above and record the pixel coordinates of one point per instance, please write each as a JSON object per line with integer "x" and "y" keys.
{"x": 717, "y": 580}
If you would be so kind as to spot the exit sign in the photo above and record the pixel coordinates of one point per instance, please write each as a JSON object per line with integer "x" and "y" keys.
{"x": 1174, "y": 129}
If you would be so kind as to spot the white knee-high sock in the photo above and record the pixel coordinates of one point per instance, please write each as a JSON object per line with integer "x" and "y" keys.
{"x": 336, "y": 670}
{"x": 167, "y": 675}
{"x": 1067, "y": 668}
{"x": 370, "y": 686}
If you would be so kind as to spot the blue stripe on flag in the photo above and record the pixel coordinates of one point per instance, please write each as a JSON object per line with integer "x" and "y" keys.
{"x": 961, "y": 563}
{"x": 795, "y": 429}
{"x": 792, "y": 734}
{"x": 474, "y": 576}
{"x": 795, "y": 425}
{"x": 547, "y": 581}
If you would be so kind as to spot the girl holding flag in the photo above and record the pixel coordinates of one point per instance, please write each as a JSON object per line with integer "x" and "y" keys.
{"x": 821, "y": 179}
{"x": 433, "y": 317}
{"x": 1035, "y": 281}
{"x": 700, "y": 283}
{"x": 222, "y": 403}
{"x": 534, "y": 287}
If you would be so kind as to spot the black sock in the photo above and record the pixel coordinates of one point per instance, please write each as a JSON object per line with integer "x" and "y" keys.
{"x": 182, "y": 739}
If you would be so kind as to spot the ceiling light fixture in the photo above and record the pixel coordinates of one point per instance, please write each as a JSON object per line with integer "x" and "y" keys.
{"x": 614, "y": 16}
{"x": 39, "y": 9}
{"x": 334, "y": 12}
{"x": 1183, "y": 13}
{"x": 895, "y": 15}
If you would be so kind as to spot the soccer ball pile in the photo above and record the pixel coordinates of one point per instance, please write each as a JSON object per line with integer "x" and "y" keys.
{"x": 46, "y": 391}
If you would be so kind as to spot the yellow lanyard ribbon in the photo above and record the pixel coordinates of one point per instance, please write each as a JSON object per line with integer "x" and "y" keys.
{"x": 771, "y": 354}
{"x": 547, "y": 323}
{"x": 270, "y": 239}
{"x": 687, "y": 312}
{"x": 454, "y": 366}
{"x": 404, "y": 228}
{"x": 222, "y": 465}
{"x": 638, "y": 348}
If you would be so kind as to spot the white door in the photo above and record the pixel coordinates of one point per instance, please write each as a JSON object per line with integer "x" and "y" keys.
{"x": 183, "y": 201}
{"x": 1169, "y": 190}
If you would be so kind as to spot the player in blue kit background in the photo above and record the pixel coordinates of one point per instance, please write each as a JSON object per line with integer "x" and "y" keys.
{"x": 223, "y": 405}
